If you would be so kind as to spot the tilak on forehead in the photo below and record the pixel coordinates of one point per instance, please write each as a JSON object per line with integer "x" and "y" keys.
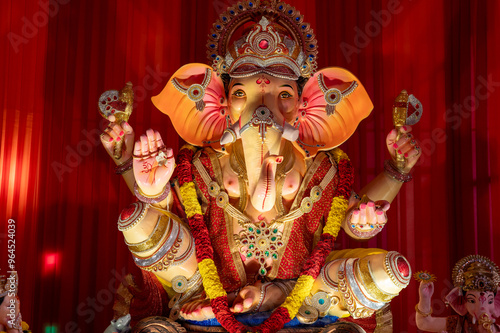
{"x": 262, "y": 80}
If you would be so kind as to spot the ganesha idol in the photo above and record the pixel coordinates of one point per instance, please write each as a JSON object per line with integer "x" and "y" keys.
{"x": 475, "y": 299}
{"x": 239, "y": 227}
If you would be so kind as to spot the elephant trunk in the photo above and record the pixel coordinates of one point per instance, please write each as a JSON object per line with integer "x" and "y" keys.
{"x": 263, "y": 196}
{"x": 261, "y": 137}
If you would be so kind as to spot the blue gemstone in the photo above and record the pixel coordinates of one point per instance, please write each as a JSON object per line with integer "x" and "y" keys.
{"x": 231, "y": 12}
{"x": 311, "y": 56}
{"x": 304, "y": 27}
{"x": 321, "y": 301}
{"x": 212, "y": 46}
{"x": 214, "y": 35}
{"x": 224, "y": 18}
{"x": 309, "y": 35}
{"x": 311, "y": 46}
{"x": 297, "y": 19}
{"x": 290, "y": 12}
{"x": 250, "y": 4}
{"x": 240, "y": 7}
{"x": 280, "y": 7}
{"x": 218, "y": 26}
{"x": 213, "y": 55}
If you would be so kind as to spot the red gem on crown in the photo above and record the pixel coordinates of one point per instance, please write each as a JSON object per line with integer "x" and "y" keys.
{"x": 263, "y": 44}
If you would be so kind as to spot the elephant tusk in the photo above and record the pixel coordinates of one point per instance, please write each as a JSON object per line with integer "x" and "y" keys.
{"x": 290, "y": 133}
{"x": 230, "y": 134}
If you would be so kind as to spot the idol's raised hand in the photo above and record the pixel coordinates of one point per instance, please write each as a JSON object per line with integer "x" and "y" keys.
{"x": 425, "y": 290}
{"x": 115, "y": 133}
{"x": 153, "y": 163}
{"x": 406, "y": 146}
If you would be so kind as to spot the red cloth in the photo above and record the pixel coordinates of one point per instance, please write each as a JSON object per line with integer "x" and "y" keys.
{"x": 59, "y": 186}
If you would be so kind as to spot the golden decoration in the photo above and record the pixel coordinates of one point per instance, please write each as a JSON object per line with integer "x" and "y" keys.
{"x": 424, "y": 276}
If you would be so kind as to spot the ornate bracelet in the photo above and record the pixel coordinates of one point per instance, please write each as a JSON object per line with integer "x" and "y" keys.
{"x": 423, "y": 314}
{"x": 325, "y": 277}
{"x": 263, "y": 292}
{"x": 124, "y": 167}
{"x": 395, "y": 173}
{"x": 153, "y": 239}
{"x": 164, "y": 256}
{"x": 151, "y": 199}
{"x": 132, "y": 215}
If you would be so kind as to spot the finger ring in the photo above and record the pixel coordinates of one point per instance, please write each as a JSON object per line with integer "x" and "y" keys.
{"x": 413, "y": 142}
{"x": 161, "y": 158}
{"x": 409, "y": 135}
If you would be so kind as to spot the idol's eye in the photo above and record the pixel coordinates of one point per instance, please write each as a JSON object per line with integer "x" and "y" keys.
{"x": 490, "y": 302}
{"x": 285, "y": 94}
{"x": 239, "y": 93}
{"x": 471, "y": 301}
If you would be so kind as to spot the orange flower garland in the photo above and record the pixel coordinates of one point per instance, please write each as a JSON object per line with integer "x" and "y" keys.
{"x": 204, "y": 251}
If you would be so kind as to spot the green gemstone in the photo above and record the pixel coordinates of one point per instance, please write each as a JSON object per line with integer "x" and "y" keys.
{"x": 257, "y": 231}
{"x": 321, "y": 301}
{"x": 249, "y": 254}
{"x": 179, "y": 284}
{"x": 250, "y": 229}
{"x": 275, "y": 256}
{"x": 263, "y": 271}
{"x": 273, "y": 239}
{"x": 275, "y": 231}
{"x": 266, "y": 253}
{"x": 308, "y": 312}
{"x": 251, "y": 246}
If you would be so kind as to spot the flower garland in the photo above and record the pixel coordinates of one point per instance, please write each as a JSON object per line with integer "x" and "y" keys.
{"x": 204, "y": 251}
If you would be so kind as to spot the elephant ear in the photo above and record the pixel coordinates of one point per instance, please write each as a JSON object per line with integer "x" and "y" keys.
{"x": 195, "y": 100}
{"x": 333, "y": 103}
{"x": 496, "y": 312}
{"x": 457, "y": 301}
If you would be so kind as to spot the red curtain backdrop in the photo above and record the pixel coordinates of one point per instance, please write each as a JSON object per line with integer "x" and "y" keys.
{"x": 59, "y": 187}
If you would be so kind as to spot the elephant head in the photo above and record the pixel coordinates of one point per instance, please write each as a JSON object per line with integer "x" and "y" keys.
{"x": 264, "y": 111}
{"x": 477, "y": 303}
{"x": 263, "y": 100}
{"x": 477, "y": 280}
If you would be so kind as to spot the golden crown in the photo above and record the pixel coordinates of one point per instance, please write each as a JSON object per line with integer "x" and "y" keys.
{"x": 262, "y": 37}
{"x": 476, "y": 272}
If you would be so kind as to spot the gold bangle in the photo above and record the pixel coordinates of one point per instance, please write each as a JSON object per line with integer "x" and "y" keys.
{"x": 369, "y": 283}
{"x": 423, "y": 314}
{"x": 153, "y": 239}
